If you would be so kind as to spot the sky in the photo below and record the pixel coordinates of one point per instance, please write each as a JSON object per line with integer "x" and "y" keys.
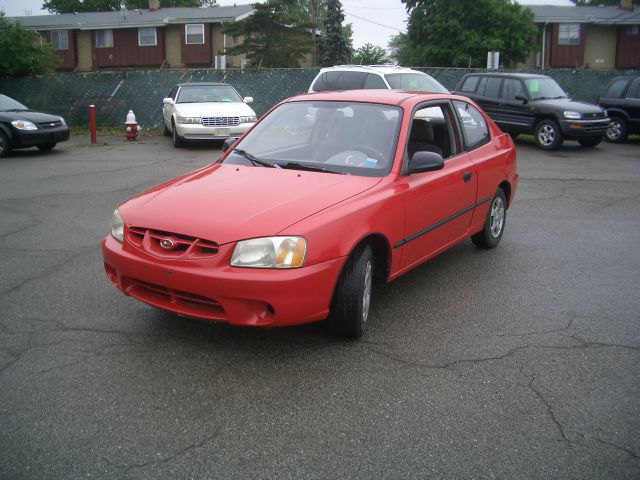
{"x": 374, "y": 21}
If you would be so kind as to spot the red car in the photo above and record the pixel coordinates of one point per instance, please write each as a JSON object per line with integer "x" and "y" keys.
{"x": 328, "y": 193}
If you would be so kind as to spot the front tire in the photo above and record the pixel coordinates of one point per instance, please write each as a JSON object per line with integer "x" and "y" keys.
{"x": 352, "y": 299}
{"x": 177, "y": 139}
{"x": 590, "y": 142}
{"x": 494, "y": 224}
{"x": 5, "y": 148}
{"x": 617, "y": 131}
{"x": 548, "y": 135}
{"x": 165, "y": 131}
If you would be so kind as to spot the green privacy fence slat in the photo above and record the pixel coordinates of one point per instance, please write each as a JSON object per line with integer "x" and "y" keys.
{"x": 115, "y": 92}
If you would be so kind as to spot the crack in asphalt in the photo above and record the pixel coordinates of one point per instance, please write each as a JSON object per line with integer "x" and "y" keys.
{"x": 629, "y": 452}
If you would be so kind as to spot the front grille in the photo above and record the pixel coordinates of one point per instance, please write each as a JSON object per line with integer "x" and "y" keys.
{"x": 185, "y": 303}
{"x": 46, "y": 125}
{"x": 170, "y": 245}
{"x": 591, "y": 116}
{"x": 220, "y": 121}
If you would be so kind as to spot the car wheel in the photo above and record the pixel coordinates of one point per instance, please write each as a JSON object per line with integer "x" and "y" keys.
{"x": 165, "y": 131}
{"x": 547, "y": 135}
{"x": 494, "y": 224}
{"x": 5, "y": 148}
{"x": 352, "y": 299}
{"x": 617, "y": 131}
{"x": 590, "y": 142}
{"x": 46, "y": 147}
{"x": 177, "y": 139}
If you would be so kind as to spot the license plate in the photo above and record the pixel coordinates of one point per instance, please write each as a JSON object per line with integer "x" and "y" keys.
{"x": 221, "y": 132}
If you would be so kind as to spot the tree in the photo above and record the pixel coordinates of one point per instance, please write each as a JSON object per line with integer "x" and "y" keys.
{"x": 459, "y": 33}
{"x": 400, "y": 50}
{"x": 69, "y": 6}
{"x": 334, "y": 49}
{"x": 22, "y": 53}
{"x": 370, "y": 54}
{"x": 273, "y": 36}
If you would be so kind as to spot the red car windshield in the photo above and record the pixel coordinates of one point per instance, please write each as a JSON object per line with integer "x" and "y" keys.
{"x": 336, "y": 137}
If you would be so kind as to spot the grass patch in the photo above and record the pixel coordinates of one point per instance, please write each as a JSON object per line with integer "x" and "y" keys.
{"x": 113, "y": 132}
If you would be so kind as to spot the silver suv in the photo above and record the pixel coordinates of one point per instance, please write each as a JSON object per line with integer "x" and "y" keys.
{"x": 356, "y": 77}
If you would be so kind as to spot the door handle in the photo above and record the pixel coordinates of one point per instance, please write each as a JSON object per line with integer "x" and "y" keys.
{"x": 467, "y": 177}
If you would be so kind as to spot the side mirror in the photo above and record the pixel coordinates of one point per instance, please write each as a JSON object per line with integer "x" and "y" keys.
{"x": 522, "y": 98}
{"x": 228, "y": 143}
{"x": 425, "y": 162}
{"x": 168, "y": 101}
{"x": 247, "y": 100}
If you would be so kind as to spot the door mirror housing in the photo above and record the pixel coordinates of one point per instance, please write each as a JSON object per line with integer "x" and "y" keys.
{"x": 168, "y": 101}
{"x": 247, "y": 100}
{"x": 228, "y": 143}
{"x": 425, "y": 162}
{"x": 522, "y": 98}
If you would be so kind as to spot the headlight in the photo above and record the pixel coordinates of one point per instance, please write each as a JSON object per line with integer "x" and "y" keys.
{"x": 189, "y": 120}
{"x": 24, "y": 125}
{"x": 572, "y": 115}
{"x": 249, "y": 119}
{"x": 270, "y": 252}
{"x": 117, "y": 226}
{"x": 64, "y": 124}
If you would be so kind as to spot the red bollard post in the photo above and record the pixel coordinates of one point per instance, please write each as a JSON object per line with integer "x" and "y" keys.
{"x": 92, "y": 123}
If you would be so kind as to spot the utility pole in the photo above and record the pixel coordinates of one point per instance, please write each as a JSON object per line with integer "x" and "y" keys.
{"x": 313, "y": 31}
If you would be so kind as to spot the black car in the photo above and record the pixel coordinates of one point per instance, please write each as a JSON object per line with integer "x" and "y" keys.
{"x": 621, "y": 98}
{"x": 535, "y": 104}
{"x": 23, "y": 128}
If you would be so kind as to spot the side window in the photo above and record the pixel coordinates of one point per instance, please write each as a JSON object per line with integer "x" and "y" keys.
{"x": 470, "y": 84}
{"x": 431, "y": 131}
{"x": 616, "y": 88}
{"x": 634, "y": 90}
{"x": 512, "y": 87}
{"x": 474, "y": 127}
{"x": 374, "y": 81}
{"x": 493, "y": 87}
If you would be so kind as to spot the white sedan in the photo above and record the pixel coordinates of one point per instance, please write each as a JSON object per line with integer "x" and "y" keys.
{"x": 206, "y": 111}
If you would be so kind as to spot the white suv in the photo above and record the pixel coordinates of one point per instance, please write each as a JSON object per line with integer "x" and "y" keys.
{"x": 356, "y": 77}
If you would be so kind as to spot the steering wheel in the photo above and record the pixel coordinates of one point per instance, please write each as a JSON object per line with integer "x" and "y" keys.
{"x": 370, "y": 151}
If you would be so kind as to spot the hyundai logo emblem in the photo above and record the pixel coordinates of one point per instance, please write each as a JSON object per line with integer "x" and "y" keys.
{"x": 167, "y": 243}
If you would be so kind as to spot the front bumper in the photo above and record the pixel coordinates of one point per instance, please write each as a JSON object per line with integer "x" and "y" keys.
{"x": 211, "y": 289}
{"x": 194, "y": 131}
{"x": 33, "y": 138}
{"x": 575, "y": 129}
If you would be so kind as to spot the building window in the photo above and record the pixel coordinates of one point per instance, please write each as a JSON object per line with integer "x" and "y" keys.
{"x": 147, "y": 37}
{"x": 194, "y": 34}
{"x": 104, "y": 38}
{"x": 60, "y": 40}
{"x": 633, "y": 30}
{"x": 568, "y": 34}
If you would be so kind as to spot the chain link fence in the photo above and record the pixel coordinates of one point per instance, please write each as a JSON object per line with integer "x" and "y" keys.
{"x": 115, "y": 92}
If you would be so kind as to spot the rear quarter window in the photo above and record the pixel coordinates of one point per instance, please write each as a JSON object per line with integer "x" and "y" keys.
{"x": 492, "y": 88}
{"x": 616, "y": 88}
{"x": 475, "y": 130}
{"x": 339, "y": 80}
{"x": 469, "y": 84}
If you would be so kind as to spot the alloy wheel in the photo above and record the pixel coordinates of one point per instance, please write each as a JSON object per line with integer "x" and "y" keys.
{"x": 366, "y": 294}
{"x": 497, "y": 217}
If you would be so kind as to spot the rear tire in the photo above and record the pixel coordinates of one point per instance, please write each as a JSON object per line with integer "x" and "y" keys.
{"x": 548, "y": 135}
{"x": 617, "y": 131}
{"x": 5, "y": 148}
{"x": 352, "y": 298}
{"x": 46, "y": 147}
{"x": 494, "y": 224}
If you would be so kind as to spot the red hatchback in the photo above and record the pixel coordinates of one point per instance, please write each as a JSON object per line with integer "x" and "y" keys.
{"x": 326, "y": 195}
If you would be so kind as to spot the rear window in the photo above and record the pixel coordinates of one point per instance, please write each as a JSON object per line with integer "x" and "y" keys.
{"x": 416, "y": 81}
{"x": 634, "y": 91}
{"x": 338, "y": 80}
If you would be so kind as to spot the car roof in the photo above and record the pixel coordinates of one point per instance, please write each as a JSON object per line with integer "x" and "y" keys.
{"x": 389, "y": 97}
{"x": 508, "y": 75}
{"x": 371, "y": 68}
{"x": 200, "y": 84}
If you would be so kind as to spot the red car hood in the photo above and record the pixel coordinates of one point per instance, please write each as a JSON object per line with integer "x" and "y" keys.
{"x": 226, "y": 203}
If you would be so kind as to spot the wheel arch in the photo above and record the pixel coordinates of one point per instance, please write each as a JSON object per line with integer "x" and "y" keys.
{"x": 506, "y": 188}
{"x": 618, "y": 112}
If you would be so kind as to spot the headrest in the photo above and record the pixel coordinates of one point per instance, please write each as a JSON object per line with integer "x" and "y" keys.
{"x": 421, "y": 131}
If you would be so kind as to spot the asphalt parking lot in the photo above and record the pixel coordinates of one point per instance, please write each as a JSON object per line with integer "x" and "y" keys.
{"x": 519, "y": 362}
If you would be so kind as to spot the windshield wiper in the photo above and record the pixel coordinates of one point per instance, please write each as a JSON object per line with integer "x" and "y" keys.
{"x": 310, "y": 168}
{"x": 255, "y": 160}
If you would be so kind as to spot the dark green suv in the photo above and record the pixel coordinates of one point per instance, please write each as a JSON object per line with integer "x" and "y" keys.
{"x": 621, "y": 98}
{"x": 535, "y": 104}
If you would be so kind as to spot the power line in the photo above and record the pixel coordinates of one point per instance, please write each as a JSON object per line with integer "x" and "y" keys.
{"x": 371, "y": 21}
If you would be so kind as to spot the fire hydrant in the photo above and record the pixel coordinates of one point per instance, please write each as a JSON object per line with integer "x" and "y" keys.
{"x": 131, "y": 126}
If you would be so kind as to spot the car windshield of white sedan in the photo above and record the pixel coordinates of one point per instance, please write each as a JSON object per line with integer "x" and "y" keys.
{"x": 208, "y": 94}
{"x": 544, "y": 88}
{"x": 417, "y": 82}
{"x": 333, "y": 137}
{"x": 8, "y": 104}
